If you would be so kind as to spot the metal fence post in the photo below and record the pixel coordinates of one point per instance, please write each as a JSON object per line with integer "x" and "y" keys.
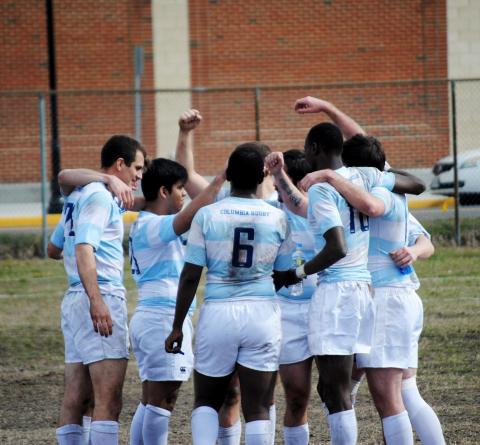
{"x": 138, "y": 67}
{"x": 43, "y": 160}
{"x": 257, "y": 113}
{"x": 455, "y": 164}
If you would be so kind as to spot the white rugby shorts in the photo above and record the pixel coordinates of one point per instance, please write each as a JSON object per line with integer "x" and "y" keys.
{"x": 398, "y": 324}
{"x": 82, "y": 343}
{"x": 294, "y": 348}
{"x": 149, "y": 328}
{"x": 247, "y": 332}
{"x": 341, "y": 319}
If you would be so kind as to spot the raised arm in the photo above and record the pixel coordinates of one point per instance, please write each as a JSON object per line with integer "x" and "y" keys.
{"x": 358, "y": 198}
{"x": 407, "y": 183}
{"x": 68, "y": 179}
{"x": 346, "y": 124}
{"x": 183, "y": 219}
{"x": 188, "y": 121}
{"x": 189, "y": 279}
{"x": 293, "y": 198}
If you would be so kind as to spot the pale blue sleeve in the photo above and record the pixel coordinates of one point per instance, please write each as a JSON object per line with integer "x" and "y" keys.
{"x": 284, "y": 256}
{"x": 376, "y": 178}
{"x": 386, "y": 197}
{"x": 93, "y": 217}
{"x": 58, "y": 236}
{"x": 323, "y": 211}
{"x": 415, "y": 229}
{"x": 196, "y": 252}
{"x": 160, "y": 230}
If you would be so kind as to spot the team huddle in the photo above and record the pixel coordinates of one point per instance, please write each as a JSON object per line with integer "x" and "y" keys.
{"x": 308, "y": 257}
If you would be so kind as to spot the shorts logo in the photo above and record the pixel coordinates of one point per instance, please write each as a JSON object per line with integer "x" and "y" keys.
{"x": 183, "y": 369}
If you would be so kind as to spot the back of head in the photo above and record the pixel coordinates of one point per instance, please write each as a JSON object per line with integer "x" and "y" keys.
{"x": 327, "y": 137}
{"x": 246, "y": 166}
{"x": 121, "y": 146}
{"x": 162, "y": 172}
{"x": 363, "y": 151}
{"x": 296, "y": 164}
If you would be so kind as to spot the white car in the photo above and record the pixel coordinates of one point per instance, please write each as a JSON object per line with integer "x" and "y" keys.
{"x": 468, "y": 176}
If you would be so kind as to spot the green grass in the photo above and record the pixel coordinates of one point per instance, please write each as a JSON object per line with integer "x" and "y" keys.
{"x": 31, "y": 353}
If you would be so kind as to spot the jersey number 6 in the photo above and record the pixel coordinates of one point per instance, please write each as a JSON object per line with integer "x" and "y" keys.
{"x": 242, "y": 253}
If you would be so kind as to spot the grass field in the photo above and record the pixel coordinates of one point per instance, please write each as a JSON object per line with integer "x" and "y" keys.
{"x": 31, "y": 355}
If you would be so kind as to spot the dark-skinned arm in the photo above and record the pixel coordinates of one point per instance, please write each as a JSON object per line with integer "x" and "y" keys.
{"x": 189, "y": 279}
{"x": 407, "y": 183}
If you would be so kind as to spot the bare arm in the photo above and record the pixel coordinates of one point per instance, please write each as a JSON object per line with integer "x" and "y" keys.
{"x": 407, "y": 183}
{"x": 422, "y": 249}
{"x": 188, "y": 121}
{"x": 335, "y": 249}
{"x": 183, "y": 219}
{"x": 54, "y": 252}
{"x": 346, "y": 124}
{"x": 358, "y": 198}
{"x": 68, "y": 179}
{"x": 189, "y": 279}
{"x": 102, "y": 322}
{"x": 293, "y": 198}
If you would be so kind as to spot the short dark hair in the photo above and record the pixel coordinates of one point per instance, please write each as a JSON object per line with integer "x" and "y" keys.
{"x": 121, "y": 146}
{"x": 245, "y": 166}
{"x": 327, "y": 137}
{"x": 162, "y": 172}
{"x": 296, "y": 164}
{"x": 363, "y": 151}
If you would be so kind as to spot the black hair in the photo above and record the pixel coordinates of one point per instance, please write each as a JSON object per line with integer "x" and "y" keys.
{"x": 245, "y": 166}
{"x": 296, "y": 165}
{"x": 363, "y": 151}
{"x": 121, "y": 146}
{"x": 162, "y": 172}
{"x": 327, "y": 137}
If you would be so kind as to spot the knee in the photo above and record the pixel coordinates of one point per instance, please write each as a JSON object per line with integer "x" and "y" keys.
{"x": 335, "y": 396}
{"x": 233, "y": 397}
{"x": 297, "y": 405}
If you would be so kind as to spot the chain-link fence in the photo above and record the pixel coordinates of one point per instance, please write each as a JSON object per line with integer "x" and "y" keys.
{"x": 419, "y": 122}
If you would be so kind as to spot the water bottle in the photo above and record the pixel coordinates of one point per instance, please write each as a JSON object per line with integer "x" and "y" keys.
{"x": 297, "y": 260}
{"x": 406, "y": 270}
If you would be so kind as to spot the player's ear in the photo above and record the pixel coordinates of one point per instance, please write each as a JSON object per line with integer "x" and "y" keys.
{"x": 162, "y": 192}
{"x": 119, "y": 164}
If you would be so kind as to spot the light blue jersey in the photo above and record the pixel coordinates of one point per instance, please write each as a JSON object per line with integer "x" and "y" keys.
{"x": 328, "y": 209}
{"x": 241, "y": 241}
{"x": 57, "y": 238}
{"x": 93, "y": 216}
{"x": 156, "y": 258}
{"x": 300, "y": 235}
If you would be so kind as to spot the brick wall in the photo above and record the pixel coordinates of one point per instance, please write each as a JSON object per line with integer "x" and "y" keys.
{"x": 232, "y": 43}
{"x": 252, "y": 43}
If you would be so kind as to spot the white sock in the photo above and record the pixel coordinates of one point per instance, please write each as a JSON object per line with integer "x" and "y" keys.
{"x": 104, "y": 432}
{"x": 155, "y": 425}
{"x": 397, "y": 429}
{"x": 71, "y": 434}
{"x": 258, "y": 432}
{"x": 343, "y": 427}
{"x": 136, "y": 427}
{"x": 204, "y": 425}
{"x": 296, "y": 435}
{"x": 354, "y": 386}
{"x": 421, "y": 414}
{"x": 230, "y": 435}
{"x": 272, "y": 413}
{"x": 86, "y": 422}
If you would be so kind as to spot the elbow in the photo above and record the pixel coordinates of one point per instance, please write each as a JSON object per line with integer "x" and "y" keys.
{"x": 418, "y": 187}
{"x": 374, "y": 210}
{"x": 54, "y": 252}
{"x": 340, "y": 252}
{"x": 62, "y": 176}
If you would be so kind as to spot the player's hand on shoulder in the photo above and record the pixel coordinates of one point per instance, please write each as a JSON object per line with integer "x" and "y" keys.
{"x": 404, "y": 256}
{"x": 102, "y": 321}
{"x": 310, "y": 104}
{"x": 275, "y": 162}
{"x": 189, "y": 120}
{"x": 173, "y": 343}
{"x": 315, "y": 177}
{"x": 121, "y": 191}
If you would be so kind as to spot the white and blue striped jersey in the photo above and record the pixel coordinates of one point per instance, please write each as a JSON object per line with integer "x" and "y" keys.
{"x": 389, "y": 232}
{"x": 415, "y": 229}
{"x": 300, "y": 235}
{"x": 241, "y": 241}
{"x": 156, "y": 259}
{"x": 57, "y": 238}
{"x": 94, "y": 217}
{"x": 328, "y": 209}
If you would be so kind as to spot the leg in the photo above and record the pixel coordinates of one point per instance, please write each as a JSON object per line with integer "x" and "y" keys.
{"x": 136, "y": 437}
{"x": 334, "y": 375}
{"x": 357, "y": 377}
{"x": 257, "y": 391}
{"x": 230, "y": 428}
{"x": 385, "y": 387}
{"x": 296, "y": 380}
{"x": 107, "y": 380}
{"x": 210, "y": 393}
{"x": 423, "y": 418}
{"x": 76, "y": 400}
